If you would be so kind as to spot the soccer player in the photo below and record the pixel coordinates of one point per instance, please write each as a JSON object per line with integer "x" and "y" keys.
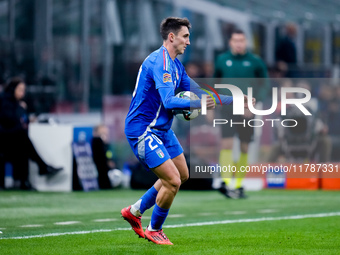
{"x": 235, "y": 64}
{"x": 148, "y": 127}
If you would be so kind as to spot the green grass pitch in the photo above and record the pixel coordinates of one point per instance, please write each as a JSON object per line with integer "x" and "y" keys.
{"x": 200, "y": 222}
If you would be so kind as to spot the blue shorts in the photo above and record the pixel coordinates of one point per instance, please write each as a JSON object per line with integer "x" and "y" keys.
{"x": 155, "y": 147}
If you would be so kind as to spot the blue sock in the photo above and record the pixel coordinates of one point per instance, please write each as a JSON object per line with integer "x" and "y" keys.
{"x": 148, "y": 199}
{"x": 158, "y": 217}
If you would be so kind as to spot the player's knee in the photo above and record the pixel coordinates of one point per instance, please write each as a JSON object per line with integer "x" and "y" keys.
{"x": 184, "y": 177}
{"x": 174, "y": 184}
{"x": 177, "y": 183}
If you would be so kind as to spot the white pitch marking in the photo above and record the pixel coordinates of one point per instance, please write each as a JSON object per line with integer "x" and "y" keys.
{"x": 267, "y": 211}
{"x": 67, "y": 223}
{"x": 175, "y": 215}
{"x": 208, "y": 223}
{"x": 31, "y": 226}
{"x": 104, "y": 220}
{"x": 236, "y": 212}
{"x": 2, "y": 228}
{"x": 68, "y": 233}
{"x": 206, "y": 213}
{"x": 146, "y": 217}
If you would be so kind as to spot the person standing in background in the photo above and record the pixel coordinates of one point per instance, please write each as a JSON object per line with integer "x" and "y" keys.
{"x": 102, "y": 155}
{"x": 15, "y": 146}
{"x": 286, "y": 49}
{"x": 235, "y": 64}
{"x": 285, "y": 52}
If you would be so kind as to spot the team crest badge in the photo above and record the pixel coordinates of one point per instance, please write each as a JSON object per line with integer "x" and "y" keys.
{"x": 160, "y": 153}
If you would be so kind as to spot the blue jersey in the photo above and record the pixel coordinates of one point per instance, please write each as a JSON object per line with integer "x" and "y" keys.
{"x": 154, "y": 95}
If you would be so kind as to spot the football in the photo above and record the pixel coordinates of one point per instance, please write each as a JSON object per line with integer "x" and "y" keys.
{"x": 187, "y": 114}
{"x": 115, "y": 177}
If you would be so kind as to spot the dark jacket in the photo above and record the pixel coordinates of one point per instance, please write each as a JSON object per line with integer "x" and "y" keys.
{"x": 99, "y": 150}
{"x": 286, "y": 51}
{"x": 13, "y": 117}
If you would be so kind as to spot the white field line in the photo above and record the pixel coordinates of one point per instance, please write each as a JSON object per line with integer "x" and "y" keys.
{"x": 104, "y": 220}
{"x": 67, "y": 233}
{"x": 31, "y": 226}
{"x": 207, "y": 214}
{"x": 236, "y": 212}
{"x": 267, "y": 211}
{"x": 208, "y": 223}
{"x": 66, "y": 223}
{"x": 175, "y": 215}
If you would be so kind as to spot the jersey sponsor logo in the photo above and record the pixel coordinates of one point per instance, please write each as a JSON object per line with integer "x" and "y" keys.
{"x": 246, "y": 63}
{"x": 160, "y": 153}
{"x": 167, "y": 77}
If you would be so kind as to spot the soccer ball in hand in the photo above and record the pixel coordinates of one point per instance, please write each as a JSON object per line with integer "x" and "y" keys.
{"x": 186, "y": 114}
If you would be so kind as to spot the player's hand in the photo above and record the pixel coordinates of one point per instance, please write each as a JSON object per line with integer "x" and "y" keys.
{"x": 246, "y": 101}
{"x": 210, "y": 103}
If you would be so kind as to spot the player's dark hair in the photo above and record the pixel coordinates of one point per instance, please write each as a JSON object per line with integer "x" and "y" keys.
{"x": 173, "y": 25}
{"x": 236, "y": 31}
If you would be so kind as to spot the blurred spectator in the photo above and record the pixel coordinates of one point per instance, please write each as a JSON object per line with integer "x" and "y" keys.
{"x": 102, "y": 155}
{"x": 331, "y": 115}
{"x": 326, "y": 95}
{"x": 193, "y": 70}
{"x": 268, "y": 133}
{"x": 286, "y": 49}
{"x": 309, "y": 139}
{"x": 15, "y": 146}
{"x": 276, "y": 72}
{"x": 196, "y": 70}
{"x": 208, "y": 70}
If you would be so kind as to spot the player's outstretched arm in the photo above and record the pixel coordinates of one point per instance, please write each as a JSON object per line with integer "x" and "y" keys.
{"x": 190, "y": 84}
{"x": 171, "y": 102}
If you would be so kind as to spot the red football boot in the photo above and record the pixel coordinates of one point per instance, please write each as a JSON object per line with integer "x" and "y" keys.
{"x": 158, "y": 237}
{"x": 134, "y": 221}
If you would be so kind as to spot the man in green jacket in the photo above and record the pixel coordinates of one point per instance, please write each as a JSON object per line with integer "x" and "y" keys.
{"x": 242, "y": 69}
